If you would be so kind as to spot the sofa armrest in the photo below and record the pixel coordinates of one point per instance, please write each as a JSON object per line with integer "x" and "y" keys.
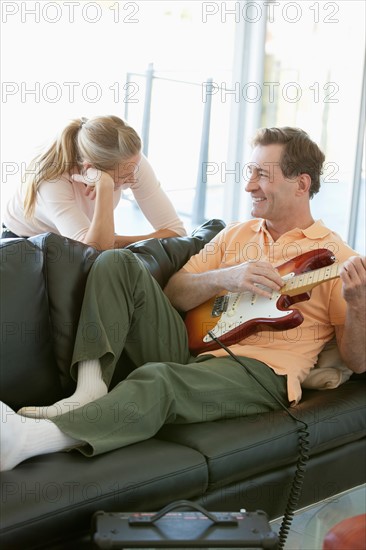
{"x": 164, "y": 257}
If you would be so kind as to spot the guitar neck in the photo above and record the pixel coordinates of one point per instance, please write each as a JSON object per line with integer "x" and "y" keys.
{"x": 307, "y": 281}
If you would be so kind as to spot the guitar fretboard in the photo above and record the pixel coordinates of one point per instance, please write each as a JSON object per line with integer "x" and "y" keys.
{"x": 306, "y": 281}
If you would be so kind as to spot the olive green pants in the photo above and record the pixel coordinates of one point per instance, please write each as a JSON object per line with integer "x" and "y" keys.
{"x": 124, "y": 309}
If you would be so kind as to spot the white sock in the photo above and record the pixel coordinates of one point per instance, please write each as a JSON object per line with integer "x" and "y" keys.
{"x": 22, "y": 438}
{"x": 90, "y": 386}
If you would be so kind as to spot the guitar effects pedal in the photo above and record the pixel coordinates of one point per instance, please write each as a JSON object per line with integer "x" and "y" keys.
{"x": 196, "y": 528}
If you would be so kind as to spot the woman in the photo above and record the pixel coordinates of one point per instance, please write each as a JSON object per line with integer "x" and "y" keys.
{"x": 74, "y": 186}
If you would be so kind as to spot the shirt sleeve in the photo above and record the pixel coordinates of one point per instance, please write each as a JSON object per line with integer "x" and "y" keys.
{"x": 153, "y": 202}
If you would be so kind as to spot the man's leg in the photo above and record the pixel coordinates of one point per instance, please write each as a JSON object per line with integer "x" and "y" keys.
{"x": 123, "y": 308}
{"x": 151, "y": 396}
{"x": 22, "y": 438}
{"x": 158, "y": 394}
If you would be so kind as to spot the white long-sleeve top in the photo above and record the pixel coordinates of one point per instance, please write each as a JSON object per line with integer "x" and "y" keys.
{"x": 63, "y": 208}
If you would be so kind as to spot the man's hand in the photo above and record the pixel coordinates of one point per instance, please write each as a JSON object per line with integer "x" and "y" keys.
{"x": 252, "y": 276}
{"x": 188, "y": 290}
{"x": 351, "y": 336}
{"x": 353, "y": 276}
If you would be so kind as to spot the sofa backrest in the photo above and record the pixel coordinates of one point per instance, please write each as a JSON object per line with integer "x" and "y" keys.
{"x": 28, "y": 370}
{"x": 42, "y": 287}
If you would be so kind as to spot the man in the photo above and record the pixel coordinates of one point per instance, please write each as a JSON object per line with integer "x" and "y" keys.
{"x": 129, "y": 312}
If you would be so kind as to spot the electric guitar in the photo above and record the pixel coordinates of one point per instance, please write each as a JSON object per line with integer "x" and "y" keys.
{"x": 234, "y": 316}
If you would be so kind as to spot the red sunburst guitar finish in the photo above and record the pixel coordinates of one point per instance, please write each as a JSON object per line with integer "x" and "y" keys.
{"x": 232, "y": 317}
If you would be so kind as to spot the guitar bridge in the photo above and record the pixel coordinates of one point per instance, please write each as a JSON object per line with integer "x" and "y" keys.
{"x": 220, "y": 305}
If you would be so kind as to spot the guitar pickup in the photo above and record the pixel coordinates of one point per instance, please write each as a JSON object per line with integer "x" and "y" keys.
{"x": 220, "y": 305}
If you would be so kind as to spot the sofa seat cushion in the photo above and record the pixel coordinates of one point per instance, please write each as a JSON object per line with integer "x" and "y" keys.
{"x": 239, "y": 448}
{"x": 55, "y": 495}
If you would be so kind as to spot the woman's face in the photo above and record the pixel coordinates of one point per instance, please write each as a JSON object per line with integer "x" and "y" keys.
{"x": 125, "y": 171}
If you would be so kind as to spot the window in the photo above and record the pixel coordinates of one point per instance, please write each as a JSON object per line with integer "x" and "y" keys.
{"x": 313, "y": 76}
{"x": 271, "y": 63}
{"x": 73, "y": 61}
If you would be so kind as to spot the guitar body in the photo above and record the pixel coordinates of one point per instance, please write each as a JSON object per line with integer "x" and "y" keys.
{"x": 233, "y": 317}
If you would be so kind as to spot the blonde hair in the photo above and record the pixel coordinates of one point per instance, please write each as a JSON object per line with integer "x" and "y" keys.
{"x": 102, "y": 141}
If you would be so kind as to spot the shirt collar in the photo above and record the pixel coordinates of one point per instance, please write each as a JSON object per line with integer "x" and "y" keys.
{"x": 317, "y": 230}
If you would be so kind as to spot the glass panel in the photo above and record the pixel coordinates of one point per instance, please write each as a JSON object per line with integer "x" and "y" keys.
{"x": 313, "y": 76}
{"x": 360, "y": 244}
{"x": 75, "y": 61}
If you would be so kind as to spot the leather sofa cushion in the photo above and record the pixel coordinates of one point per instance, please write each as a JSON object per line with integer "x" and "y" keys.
{"x": 334, "y": 417}
{"x": 58, "y": 493}
{"x": 66, "y": 267}
{"x": 27, "y": 361}
{"x": 163, "y": 257}
{"x": 43, "y": 282}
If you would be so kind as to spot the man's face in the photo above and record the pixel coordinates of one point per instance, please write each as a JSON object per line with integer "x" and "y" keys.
{"x": 272, "y": 194}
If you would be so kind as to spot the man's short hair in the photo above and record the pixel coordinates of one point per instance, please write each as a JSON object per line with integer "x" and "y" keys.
{"x": 300, "y": 154}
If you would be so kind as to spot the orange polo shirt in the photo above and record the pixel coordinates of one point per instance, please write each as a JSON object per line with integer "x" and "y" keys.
{"x": 292, "y": 352}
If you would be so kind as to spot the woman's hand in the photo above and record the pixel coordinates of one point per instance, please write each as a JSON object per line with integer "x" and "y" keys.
{"x": 93, "y": 179}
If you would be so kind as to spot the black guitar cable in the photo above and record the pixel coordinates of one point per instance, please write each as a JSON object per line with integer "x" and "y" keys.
{"x": 304, "y": 445}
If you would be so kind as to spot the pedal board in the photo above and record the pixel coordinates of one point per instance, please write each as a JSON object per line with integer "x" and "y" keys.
{"x": 176, "y": 529}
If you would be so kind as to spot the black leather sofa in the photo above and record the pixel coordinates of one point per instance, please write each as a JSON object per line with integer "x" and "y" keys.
{"x": 48, "y": 501}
